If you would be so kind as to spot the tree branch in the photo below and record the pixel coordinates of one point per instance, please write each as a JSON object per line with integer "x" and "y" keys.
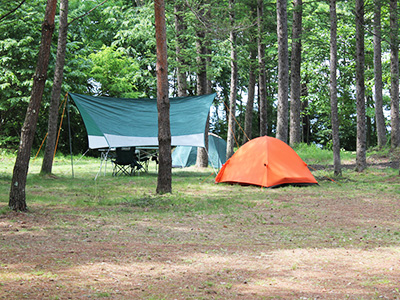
{"x": 85, "y": 14}
{"x": 10, "y": 12}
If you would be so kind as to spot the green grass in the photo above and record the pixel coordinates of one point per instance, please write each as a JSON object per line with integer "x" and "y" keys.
{"x": 136, "y": 192}
{"x": 193, "y": 190}
{"x": 80, "y": 223}
{"x": 312, "y": 154}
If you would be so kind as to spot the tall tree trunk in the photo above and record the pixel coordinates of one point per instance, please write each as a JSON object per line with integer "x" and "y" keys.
{"x": 201, "y": 63}
{"x": 305, "y": 120}
{"x": 283, "y": 71}
{"x": 368, "y": 121}
{"x": 202, "y": 156}
{"x": 333, "y": 91}
{"x": 233, "y": 92}
{"x": 262, "y": 95}
{"x": 17, "y": 200}
{"x": 164, "y": 131}
{"x": 180, "y": 42}
{"x": 47, "y": 163}
{"x": 394, "y": 72}
{"x": 248, "y": 120}
{"x": 380, "y": 119}
{"x": 306, "y": 126}
{"x": 361, "y": 148}
{"x": 202, "y": 153}
{"x": 295, "y": 102}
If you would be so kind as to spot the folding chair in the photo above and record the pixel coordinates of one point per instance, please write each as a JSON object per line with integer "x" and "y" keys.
{"x": 125, "y": 162}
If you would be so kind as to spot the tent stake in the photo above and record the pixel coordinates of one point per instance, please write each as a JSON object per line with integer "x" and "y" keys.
{"x": 70, "y": 139}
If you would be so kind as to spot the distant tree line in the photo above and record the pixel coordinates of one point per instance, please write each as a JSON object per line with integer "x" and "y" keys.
{"x": 269, "y": 62}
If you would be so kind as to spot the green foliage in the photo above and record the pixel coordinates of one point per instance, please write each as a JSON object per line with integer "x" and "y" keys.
{"x": 136, "y": 35}
{"x": 115, "y": 72}
{"x": 19, "y": 42}
{"x": 112, "y": 51}
{"x": 312, "y": 154}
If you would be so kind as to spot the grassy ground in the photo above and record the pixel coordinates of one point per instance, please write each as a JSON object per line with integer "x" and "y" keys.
{"x": 114, "y": 238}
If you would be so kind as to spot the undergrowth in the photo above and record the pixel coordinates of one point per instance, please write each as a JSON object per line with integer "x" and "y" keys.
{"x": 312, "y": 154}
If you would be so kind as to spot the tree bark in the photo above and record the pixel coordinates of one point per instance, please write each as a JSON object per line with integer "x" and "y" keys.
{"x": 333, "y": 91}
{"x": 361, "y": 161}
{"x": 180, "y": 42}
{"x": 202, "y": 156}
{"x": 394, "y": 72}
{"x": 283, "y": 71}
{"x": 164, "y": 131}
{"x": 47, "y": 163}
{"x": 306, "y": 126}
{"x": 380, "y": 119}
{"x": 295, "y": 101}
{"x": 262, "y": 95}
{"x": 17, "y": 200}
{"x": 248, "y": 120}
{"x": 233, "y": 90}
{"x": 201, "y": 62}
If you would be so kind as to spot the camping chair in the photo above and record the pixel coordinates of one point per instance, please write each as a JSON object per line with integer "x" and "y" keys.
{"x": 143, "y": 161}
{"x": 125, "y": 162}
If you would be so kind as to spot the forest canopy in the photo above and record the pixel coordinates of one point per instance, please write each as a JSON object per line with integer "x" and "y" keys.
{"x": 111, "y": 51}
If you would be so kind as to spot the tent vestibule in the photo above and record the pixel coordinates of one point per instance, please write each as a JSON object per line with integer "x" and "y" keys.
{"x": 185, "y": 156}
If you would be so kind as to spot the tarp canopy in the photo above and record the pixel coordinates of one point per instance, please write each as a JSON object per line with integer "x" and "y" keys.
{"x": 121, "y": 122}
{"x": 268, "y": 162}
{"x": 185, "y": 156}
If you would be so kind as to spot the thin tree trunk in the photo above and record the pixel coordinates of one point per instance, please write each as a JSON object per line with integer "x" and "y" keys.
{"x": 306, "y": 123}
{"x": 17, "y": 200}
{"x": 368, "y": 120}
{"x": 209, "y": 88}
{"x": 333, "y": 91}
{"x": 47, "y": 163}
{"x": 204, "y": 151}
{"x": 295, "y": 102}
{"x": 380, "y": 119}
{"x": 361, "y": 148}
{"x": 201, "y": 63}
{"x": 394, "y": 72}
{"x": 233, "y": 92}
{"x": 164, "y": 131}
{"x": 180, "y": 42}
{"x": 202, "y": 156}
{"x": 283, "y": 71}
{"x": 248, "y": 120}
{"x": 262, "y": 95}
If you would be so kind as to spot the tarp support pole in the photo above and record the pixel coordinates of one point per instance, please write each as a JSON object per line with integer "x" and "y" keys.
{"x": 70, "y": 139}
{"x": 103, "y": 158}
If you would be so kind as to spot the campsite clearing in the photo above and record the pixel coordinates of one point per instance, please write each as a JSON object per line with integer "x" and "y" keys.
{"x": 114, "y": 238}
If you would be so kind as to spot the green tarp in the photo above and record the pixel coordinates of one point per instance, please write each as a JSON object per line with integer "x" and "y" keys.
{"x": 121, "y": 122}
{"x": 185, "y": 156}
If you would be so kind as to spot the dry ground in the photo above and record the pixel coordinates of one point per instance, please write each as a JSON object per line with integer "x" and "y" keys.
{"x": 295, "y": 243}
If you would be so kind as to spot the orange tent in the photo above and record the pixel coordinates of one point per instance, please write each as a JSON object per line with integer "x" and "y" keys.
{"x": 267, "y": 162}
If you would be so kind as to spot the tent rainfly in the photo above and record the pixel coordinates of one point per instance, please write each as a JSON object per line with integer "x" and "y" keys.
{"x": 266, "y": 162}
{"x": 121, "y": 122}
{"x": 185, "y": 156}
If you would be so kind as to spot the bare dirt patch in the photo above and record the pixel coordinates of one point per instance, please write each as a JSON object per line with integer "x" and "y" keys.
{"x": 295, "y": 244}
{"x": 319, "y": 242}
